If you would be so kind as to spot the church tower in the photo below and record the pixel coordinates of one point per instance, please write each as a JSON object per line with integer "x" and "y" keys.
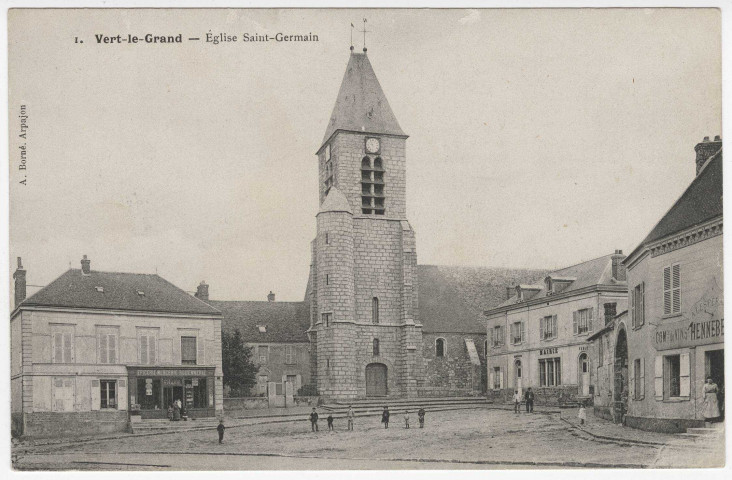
{"x": 365, "y": 338}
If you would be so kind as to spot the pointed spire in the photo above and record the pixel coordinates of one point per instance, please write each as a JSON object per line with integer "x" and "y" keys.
{"x": 361, "y": 105}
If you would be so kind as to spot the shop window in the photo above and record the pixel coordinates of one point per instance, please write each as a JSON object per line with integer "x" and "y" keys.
{"x": 148, "y": 393}
{"x": 289, "y": 354}
{"x": 440, "y": 347}
{"x": 517, "y": 333}
{"x": 638, "y": 305}
{"x": 196, "y": 393}
{"x": 672, "y": 289}
{"x": 263, "y": 354}
{"x": 374, "y": 310}
{"x": 548, "y": 327}
{"x": 582, "y": 321}
{"x": 107, "y": 345}
{"x": 376, "y": 347}
{"x": 188, "y": 350}
{"x": 63, "y": 343}
{"x": 550, "y": 372}
{"x": 108, "y": 393}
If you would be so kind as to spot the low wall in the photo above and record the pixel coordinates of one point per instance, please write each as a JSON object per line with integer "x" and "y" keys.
{"x": 664, "y": 425}
{"x": 552, "y": 396}
{"x": 64, "y": 424}
{"x": 253, "y": 403}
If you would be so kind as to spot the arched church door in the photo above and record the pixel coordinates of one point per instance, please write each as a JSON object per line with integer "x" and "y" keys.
{"x": 376, "y": 380}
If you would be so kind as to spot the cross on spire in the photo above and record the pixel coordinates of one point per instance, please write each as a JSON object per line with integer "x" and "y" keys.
{"x": 364, "y": 31}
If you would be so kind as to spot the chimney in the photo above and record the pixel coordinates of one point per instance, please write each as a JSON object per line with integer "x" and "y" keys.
{"x": 618, "y": 267}
{"x": 705, "y": 150}
{"x": 509, "y": 293}
{"x": 271, "y": 296}
{"x": 85, "y": 266}
{"x": 19, "y": 277}
{"x": 202, "y": 290}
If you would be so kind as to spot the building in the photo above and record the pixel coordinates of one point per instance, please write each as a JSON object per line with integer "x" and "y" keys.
{"x": 602, "y": 356}
{"x": 538, "y": 337}
{"x": 277, "y": 334}
{"x": 380, "y": 324}
{"x": 673, "y": 337}
{"x": 92, "y": 346}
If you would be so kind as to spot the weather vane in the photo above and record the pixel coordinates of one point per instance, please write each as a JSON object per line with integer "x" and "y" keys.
{"x": 364, "y": 34}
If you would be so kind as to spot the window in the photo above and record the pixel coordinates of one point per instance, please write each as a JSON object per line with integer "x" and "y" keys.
{"x": 440, "y": 347}
{"x": 582, "y": 321}
{"x": 372, "y": 186}
{"x": 485, "y": 348}
{"x": 63, "y": 343}
{"x": 376, "y": 347}
{"x": 638, "y": 305}
{"x": 148, "y": 393}
{"x": 289, "y": 354}
{"x": 263, "y": 353}
{"x": 326, "y": 319}
{"x": 147, "y": 341}
{"x": 672, "y": 377}
{"x": 63, "y": 394}
{"x": 673, "y": 369}
{"x": 199, "y": 397}
{"x": 610, "y": 312}
{"x": 107, "y": 345}
{"x": 496, "y": 334}
{"x": 262, "y": 383}
{"x": 188, "y": 350}
{"x": 374, "y": 310}
{"x": 327, "y": 279}
{"x": 548, "y": 327}
{"x": 550, "y": 372}
{"x": 672, "y": 289}
{"x": 517, "y": 333}
{"x": 638, "y": 379}
{"x": 108, "y": 393}
{"x": 497, "y": 376}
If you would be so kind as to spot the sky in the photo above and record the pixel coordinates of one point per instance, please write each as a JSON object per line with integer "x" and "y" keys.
{"x": 537, "y": 138}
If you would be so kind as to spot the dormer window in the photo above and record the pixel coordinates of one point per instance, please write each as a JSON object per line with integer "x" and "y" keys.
{"x": 140, "y": 293}
{"x": 99, "y": 289}
{"x": 262, "y": 328}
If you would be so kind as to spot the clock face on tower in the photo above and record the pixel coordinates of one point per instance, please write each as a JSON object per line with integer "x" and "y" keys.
{"x": 373, "y": 145}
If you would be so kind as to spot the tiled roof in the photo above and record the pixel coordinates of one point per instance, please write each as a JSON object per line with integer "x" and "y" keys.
{"x": 597, "y": 271}
{"x": 118, "y": 291}
{"x": 453, "y": 299}
{"x": 701, "y": 201}
{"x": 285, "y": 322}
{"x": 335, "y": 202}
{"x": 361, "y": 105}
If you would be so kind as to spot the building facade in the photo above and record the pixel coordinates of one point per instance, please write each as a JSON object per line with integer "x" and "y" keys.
{"x": 602, "y": 357}
{"x": 538, "y": 337}
{"x": 675, "y": 328}
{"x": 91, "y": 347}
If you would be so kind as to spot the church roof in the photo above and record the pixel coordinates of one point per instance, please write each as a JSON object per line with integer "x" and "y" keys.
{"x": 335, "y": 202}
{"x": 453, "y": 299}
{"x": 283, "y": 322}
{"x": 361, "y": 105}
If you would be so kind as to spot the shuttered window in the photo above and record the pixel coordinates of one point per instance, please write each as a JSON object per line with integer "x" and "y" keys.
{"x": 497, "y": 336}
{"x": 188, "y": 350}
{"x": 638, "y": 305}
{"x": 672, "y": 289}
{"x": 63, "y": 344}
{"x": 582, "y": 321}
{"x": 147, "y": 341}
{"x": 517, "y": 333}
{"x": 548, "y": 327}
{"x": 289, "y": 354}
{"x": 107, "y": 348}
{"x": 108, "y": 393}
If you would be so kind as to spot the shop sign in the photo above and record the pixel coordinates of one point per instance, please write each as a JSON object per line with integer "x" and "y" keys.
{"x": 172, "y": 373}
{"x": 704, "y": 324}
{"x": 172, "y": 382}
{"x": 549, "y": 351}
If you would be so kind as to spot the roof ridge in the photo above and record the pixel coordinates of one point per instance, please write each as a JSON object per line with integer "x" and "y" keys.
{"x": 582, "y": 262}
{"x": 117, "y": 273}
{"x": 185, "y": 293}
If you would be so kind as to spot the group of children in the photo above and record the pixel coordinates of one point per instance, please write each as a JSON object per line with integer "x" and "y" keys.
{"x": 350, "y": 415}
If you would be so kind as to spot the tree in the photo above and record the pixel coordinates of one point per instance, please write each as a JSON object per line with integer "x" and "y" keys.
{"x": 240, "y": 372}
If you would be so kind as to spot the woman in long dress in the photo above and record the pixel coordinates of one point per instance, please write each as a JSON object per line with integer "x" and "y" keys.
{"x": 711, "y": 403}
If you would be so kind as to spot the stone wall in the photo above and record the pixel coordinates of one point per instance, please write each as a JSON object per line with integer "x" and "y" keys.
{"x": 563, "y": 396}
{"x": 58, "y": 424}
{"x": 453, "y": 374}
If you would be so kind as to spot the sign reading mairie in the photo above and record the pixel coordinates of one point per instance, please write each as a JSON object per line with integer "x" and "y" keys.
{"x": 703, "y": 325}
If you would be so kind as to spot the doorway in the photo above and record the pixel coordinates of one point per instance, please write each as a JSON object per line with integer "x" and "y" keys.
{"x": 620, "y": 367}
{"x": 584, "y": 375}
{"x": 376, "y": 377}
{"x": 714, "y": 367}
{"x": 518, "y": 375}
{"x": 171, "y": 394}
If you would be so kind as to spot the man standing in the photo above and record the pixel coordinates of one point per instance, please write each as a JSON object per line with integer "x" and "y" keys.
{"x": 351, "y": 415}
{"x": 529, "y": 397}
{"x": 221, "y": 429}
{"x": 516, "y": 402}
{"x": 314, "y": 420}
{"x": 420, "y": 415}
{"x": 385, "y": 417}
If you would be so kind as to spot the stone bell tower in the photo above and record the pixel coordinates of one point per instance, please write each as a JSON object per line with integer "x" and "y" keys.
{"x": 365, "y": 337}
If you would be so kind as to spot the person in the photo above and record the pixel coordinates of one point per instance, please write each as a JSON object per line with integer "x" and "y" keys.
{"x": 529, "y": 398}
{"x": 711, "y": 402}
{"x": 623, "y": 404}
{"x": 221, "y": 429}
{"x": 516, "y": 402}
{"x": 330, "y": 422}
{"x": 351, "y": 415}
{"x": 406, "y": 419}
{"x": 176, "y": 412}
{"x": 420, "y": 415}
{"x": 385, "y": 417}
{"x": 170, "y": 412}
{"x": 582, "y": 414}
{"x": 314, "y": 420}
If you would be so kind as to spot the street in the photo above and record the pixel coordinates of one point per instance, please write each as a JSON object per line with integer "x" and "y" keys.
{"x": 481, "y": 438}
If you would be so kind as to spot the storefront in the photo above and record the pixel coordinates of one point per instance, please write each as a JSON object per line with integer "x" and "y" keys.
{"x": 152, "y": 390}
